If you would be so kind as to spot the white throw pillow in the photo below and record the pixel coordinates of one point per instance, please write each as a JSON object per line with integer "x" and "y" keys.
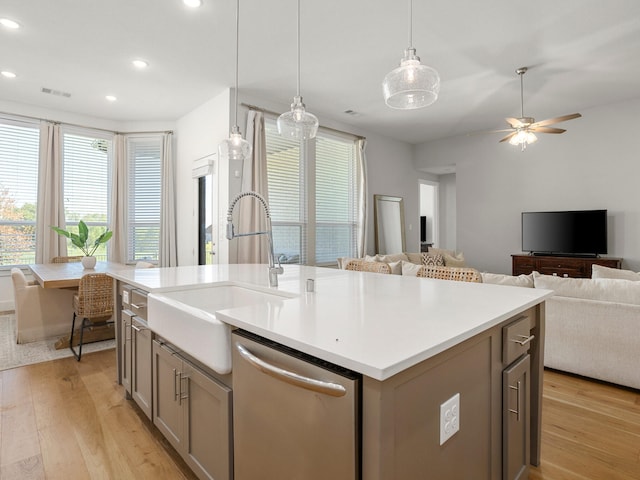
{"x": 456, "y": 260}
{"x": 410, "y": 269}
{"x": 394, "y": 257}
{"x": 598, "y": 271}
{"x": 396, "y": 267}
{"x": 500, "y": 279}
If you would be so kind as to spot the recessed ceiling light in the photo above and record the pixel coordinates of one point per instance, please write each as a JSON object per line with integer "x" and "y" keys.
{"x": 6, "y": 22}
{"x": 8, "y": 74}
{"x": 140, "y": 64}
{"x": 111, "y": 98}
{"x": 192, "y": 3}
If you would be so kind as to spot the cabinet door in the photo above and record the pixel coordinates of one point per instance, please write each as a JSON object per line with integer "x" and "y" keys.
{"x": 125, "y": 350}
{"x": 167, "y": 410}
{"x": 207, "y": 435}
{"x": 141, "y": 359}
{"x": 516, "y": 420}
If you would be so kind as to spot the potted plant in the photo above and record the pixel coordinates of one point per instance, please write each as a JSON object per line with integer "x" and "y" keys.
{"x": 81, "y": 240}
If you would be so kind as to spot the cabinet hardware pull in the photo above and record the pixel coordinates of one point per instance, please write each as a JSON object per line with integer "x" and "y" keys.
{"x": 139, "y": 305}
{"x": 138, "y": 329}
{"x": 517, "y": 412}
{"x": 183, "y": 396}
{"x": 526, "y": 339}
{"x": 176, "y": 395}
{"x": 328, "y": 388}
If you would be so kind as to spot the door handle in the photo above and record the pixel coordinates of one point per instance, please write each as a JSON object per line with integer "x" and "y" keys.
{"x": 517, "y": 411}
{"x": 319, "y": 386}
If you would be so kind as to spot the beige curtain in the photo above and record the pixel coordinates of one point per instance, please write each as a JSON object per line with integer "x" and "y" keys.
{"x": 251, "y": 217}
{"x": 362, "y": 202}
{"x": 117, "y": 246}
{"x": 50, "y": 209}
{"x": 168, "y": 229}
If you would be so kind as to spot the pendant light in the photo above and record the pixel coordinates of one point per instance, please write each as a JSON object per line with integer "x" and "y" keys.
{"x": 235, "y": 147}
{"x": 298, "y": 123}
{"x": 411, "y": 85}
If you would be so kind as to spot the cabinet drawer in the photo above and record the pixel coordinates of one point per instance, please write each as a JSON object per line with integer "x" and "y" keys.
{"x": 562, "y": 271}
{"x": 516, "y": 338}
{"x": 139, "y": 303}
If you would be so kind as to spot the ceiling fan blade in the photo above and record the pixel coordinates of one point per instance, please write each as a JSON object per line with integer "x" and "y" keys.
{"x": 508, "y": 137}
{"x": 547, "y": 129}
{"x": 550, "y": 121}
{"x": 514, "y": 122}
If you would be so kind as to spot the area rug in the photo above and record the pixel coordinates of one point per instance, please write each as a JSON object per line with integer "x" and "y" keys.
{"x": 13, "y": 355}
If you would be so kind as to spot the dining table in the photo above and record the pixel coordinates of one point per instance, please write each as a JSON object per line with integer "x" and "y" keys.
{"x": 68, "y": 275}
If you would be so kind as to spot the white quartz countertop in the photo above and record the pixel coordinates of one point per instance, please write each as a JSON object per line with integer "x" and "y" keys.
{"x": 374, "y": 324}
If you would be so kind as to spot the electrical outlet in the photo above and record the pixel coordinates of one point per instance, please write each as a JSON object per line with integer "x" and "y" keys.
{"x": 449, "y": 418}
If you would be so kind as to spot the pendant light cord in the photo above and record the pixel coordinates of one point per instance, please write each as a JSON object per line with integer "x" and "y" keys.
{"x": 235, "y": 120}
{"x": 298, "y": 35}
{"x": 410, "y": 24}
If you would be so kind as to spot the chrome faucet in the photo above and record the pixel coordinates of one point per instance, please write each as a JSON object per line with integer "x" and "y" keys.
{"x": 273, "y": 270}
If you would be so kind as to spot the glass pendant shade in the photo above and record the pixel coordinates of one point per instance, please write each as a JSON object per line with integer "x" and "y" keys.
{"x": 235, "y": 147}
{"x": 298, "y": 123}
{"x": 411, "y": 85}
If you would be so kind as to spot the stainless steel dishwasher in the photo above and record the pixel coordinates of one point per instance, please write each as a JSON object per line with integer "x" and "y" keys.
{"x": 295, "y": 417}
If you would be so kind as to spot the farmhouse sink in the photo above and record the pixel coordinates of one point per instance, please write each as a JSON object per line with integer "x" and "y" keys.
{"x": 187, "y": 319}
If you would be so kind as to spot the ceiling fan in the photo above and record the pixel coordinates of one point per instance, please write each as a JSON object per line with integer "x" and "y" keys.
{"x": 523, "y": 129}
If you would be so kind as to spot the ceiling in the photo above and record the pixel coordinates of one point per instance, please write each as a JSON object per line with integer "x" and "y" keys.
{"x": 581, "y": 53}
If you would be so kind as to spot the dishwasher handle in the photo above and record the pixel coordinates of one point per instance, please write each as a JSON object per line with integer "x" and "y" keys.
{"x": 319, "y": 386}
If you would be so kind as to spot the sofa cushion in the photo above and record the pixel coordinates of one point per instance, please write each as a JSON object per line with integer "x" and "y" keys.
{"x": 410, "y": 269}
{"x": 603, "y": 289}
{"x": 414, "y": 257}
{"x": 456, "y": 260}
{"x": 500, "y": 279}
{"x": 598, "y": 271}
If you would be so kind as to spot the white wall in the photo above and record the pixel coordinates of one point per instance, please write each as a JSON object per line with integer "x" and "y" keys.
{"x": 594, "y": 165}
{"x": 198, "y": 134}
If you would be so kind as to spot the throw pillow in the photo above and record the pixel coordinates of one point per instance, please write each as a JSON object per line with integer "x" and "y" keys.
{"x": 394, "y": 257}
{"x": 396, "y": 267}
{"x": 414, "y": 257}
{"x": 410, "y": 269}
{"x": 433, "y": 259}
{"x": 500, "y": 279}
{"x": 454, "y": 260}
{"x": 598, "y": 271}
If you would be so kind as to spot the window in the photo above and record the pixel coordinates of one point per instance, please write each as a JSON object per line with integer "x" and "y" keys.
{"x": 313, "y": 196}
{"x": 86, "y": 185}
{"x": 19, "y": 150}
{"x": 144, "y": 198}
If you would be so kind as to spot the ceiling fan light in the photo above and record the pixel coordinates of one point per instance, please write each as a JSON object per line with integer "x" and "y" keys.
{"x": 298, "y": 123}
{"x": 411, "y": 85}
{"x": 523, "y": 137}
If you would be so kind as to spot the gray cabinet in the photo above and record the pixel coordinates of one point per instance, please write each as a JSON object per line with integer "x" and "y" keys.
{"x": 516, "y": 399}
{"x": 141, "y": 360}
{"x": 193, "y": 411}
{"x": 126, "y": 317}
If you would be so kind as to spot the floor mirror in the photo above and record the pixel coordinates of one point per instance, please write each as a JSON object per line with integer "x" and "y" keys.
{"x": 388, "y": 214}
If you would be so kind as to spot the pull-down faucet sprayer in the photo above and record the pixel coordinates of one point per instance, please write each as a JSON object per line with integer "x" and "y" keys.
{"x": 273, "y": 270}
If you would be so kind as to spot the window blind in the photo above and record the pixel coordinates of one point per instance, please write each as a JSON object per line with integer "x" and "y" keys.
{"x": 144, "y": 198}
{"x": 86, "y": 185}
{"x": 19, "y": 150}
{"x": 331, "y": 167}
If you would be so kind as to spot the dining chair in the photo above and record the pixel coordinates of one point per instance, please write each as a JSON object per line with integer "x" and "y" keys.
{"x": 93, "y": 304}
{"x": 460, "y": 274}
{"x": 75, "y": 258}
{"x": 362, "y": 266}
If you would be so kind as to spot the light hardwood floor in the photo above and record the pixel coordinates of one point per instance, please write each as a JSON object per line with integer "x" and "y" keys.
{"x": 69, "y": 420}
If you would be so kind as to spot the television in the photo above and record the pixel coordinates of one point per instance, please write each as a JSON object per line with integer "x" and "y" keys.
{"x": 573, "y": 233}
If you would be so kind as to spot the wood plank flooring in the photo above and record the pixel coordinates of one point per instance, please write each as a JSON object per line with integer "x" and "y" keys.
{"x": 69, "y": 420}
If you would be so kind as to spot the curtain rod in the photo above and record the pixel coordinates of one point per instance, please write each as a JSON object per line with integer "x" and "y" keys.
{"x": 82, "y": 126}
{"x": 264, "y": 110}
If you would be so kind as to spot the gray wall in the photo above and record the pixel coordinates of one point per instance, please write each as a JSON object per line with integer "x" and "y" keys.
{"x": 594, "y": 165}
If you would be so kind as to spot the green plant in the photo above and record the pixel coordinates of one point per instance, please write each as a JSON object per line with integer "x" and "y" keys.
{"x": 81, "y": 239}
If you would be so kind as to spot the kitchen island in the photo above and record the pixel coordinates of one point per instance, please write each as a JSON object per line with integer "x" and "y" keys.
{"x": 416, "y": 343}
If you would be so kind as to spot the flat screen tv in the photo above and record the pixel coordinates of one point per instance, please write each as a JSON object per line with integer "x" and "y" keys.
{"x": 579, "y": 233}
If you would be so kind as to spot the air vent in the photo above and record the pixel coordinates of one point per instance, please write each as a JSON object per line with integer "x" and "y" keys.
{"x": 352, "y": 113}
{"x": 57, "y": 93}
